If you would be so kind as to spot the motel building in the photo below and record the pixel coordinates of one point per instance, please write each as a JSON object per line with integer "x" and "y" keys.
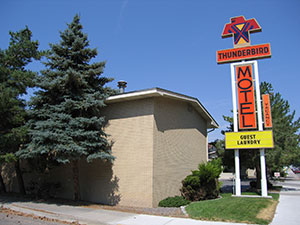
{"x": 158, "y": 137}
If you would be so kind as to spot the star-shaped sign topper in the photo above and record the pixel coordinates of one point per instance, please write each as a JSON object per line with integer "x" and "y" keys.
{"x": 240, "y": 29}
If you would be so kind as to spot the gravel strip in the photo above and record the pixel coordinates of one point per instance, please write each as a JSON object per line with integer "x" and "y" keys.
{"x": 160, "y": 211}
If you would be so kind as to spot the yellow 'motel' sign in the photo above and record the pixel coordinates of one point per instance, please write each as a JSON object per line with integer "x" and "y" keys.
{"x": 249, "y": 140}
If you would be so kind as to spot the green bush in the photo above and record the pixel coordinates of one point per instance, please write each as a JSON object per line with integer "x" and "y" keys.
{"x": 175, "y": 201}
{"x": 203, "y": 183}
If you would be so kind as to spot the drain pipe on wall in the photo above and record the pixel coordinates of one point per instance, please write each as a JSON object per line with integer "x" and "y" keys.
{"x": 212, "y": 129}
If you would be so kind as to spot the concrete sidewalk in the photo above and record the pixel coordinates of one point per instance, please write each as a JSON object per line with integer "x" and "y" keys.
{"x": 289, "y": 201}
{"x": 286, "y": 212}
{"x": 90, "y": 216}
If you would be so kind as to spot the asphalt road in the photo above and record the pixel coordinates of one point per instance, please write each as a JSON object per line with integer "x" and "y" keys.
{"x": 228, "y": 185}
{"x": 9, "y": 218}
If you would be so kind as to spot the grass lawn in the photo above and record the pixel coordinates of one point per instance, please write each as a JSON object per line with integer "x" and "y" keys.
{"x": 235, "y": 209}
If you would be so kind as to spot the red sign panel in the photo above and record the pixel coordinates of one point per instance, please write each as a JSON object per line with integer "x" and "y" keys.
{"x": 246, "y": 101}
{"x": 238, "y": 54}
{"x": 239, "y": 28}
{"x": 267, "y": 110}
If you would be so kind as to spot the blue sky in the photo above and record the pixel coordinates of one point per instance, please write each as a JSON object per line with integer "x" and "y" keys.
{"x": 170, "y": 44}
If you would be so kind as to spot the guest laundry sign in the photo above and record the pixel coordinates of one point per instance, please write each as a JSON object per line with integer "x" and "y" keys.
{"x": 249, "y": 140}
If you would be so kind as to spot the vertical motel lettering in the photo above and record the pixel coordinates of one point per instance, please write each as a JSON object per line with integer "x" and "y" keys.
{"x": 246, "y": 102}
{"x": 267, "y": 111}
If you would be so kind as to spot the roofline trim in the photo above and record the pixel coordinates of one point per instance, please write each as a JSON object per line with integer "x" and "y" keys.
{"x": 156, "y": 92}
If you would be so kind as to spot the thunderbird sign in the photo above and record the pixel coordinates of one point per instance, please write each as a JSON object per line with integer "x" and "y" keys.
{"x": 240, "y": 29}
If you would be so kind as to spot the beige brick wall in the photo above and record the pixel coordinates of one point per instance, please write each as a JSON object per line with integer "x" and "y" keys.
{"x": 131, "y": 129}
{"x": 9, "y": 177}
{"x": 179, "y": 146}
{"x": 157, "y": 142}
{"x": 98, "y": 182}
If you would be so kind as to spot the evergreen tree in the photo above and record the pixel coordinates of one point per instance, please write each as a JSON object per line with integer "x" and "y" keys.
{"x": 285, "y": 132}
{"x": 66, "y": 122}
{"x": 15, "y": 78}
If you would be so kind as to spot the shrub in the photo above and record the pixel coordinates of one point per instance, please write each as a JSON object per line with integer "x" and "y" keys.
{"x": 203, "y": 183}
{"x": 175, "y": 201}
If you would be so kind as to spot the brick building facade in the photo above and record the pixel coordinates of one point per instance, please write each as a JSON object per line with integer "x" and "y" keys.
{"x": 158, "y": 137}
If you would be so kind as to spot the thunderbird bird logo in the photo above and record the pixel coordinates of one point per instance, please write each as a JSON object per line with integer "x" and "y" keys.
{"x": 240, "y": 29}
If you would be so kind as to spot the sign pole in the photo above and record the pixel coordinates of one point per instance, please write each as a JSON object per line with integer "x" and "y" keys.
{"x": 237, "y": 172}
{"x": 258, "y": 99}
{"x": 235, "y": 129}
{"x": 264, "y": 188}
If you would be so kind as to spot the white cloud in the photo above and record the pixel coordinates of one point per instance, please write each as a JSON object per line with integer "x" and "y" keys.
{"x": 120, "y": 18}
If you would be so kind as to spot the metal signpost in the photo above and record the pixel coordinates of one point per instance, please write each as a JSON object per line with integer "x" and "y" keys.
{"x": 244, "y": 93}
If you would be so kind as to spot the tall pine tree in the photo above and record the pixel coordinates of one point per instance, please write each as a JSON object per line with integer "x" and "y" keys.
{"x": 66, "y": 123}
{"x": 15, "y": 78}
{"x": 285, "y": 131}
